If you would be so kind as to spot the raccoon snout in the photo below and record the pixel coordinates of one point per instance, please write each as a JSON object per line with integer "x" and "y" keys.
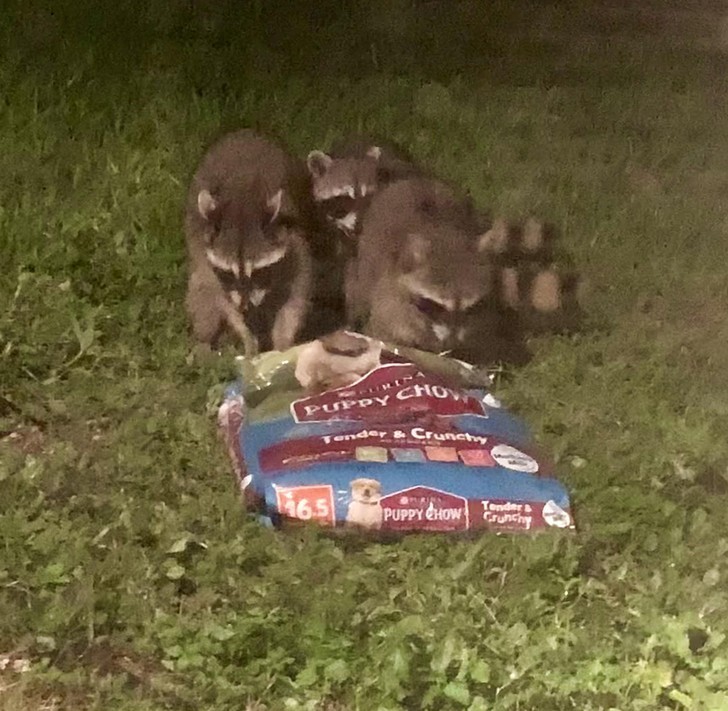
{"x": 449, "y": 335}
{"x": 442, "y": 332}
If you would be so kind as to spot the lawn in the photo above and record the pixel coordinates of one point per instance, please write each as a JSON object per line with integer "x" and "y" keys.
{"x": 130, "y": 577}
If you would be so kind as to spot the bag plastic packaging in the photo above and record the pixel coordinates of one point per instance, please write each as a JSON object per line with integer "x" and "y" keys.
{"x": 370, "y": 437}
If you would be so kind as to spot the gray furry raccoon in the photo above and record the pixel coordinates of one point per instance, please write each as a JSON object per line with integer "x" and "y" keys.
{"x": 342, "y": 184}
{"x": 342, "y": 188}
{"x": 247, "y": 222}
{"x": 427, "y": 274}
{"x": 345, "y": 179}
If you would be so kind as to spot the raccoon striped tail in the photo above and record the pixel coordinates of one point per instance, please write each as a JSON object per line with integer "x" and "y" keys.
{"x": 530, "y": 241}
{"x": 534, "y": 284}
{"x": 545, "y": 298}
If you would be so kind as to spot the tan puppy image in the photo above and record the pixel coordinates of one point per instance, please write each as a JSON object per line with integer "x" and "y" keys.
{"x": 365, "y": 510}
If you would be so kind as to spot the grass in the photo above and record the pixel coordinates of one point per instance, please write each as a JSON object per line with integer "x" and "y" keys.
{"x": 130, "y": 577}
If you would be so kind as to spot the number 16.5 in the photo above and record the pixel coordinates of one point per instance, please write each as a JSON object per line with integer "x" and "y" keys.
{"x": 307, "y": 503}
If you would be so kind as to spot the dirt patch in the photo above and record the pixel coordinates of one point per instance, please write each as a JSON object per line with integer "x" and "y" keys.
{"x": 26, "y": 439}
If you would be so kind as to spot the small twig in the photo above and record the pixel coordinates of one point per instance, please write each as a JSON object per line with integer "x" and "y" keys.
{"x": 12, "y": 407}
{"x": 375, "y": 58}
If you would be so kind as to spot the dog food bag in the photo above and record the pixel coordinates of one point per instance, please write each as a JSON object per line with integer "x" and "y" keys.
{"x": 353, "y": 434}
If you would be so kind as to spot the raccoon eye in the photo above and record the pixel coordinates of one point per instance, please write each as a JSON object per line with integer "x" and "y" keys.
{"x": 431, "y": 309}
{"x": 339, "y": 207}
{"x": 468, "y": 307}
{"x": 277, "y": 230}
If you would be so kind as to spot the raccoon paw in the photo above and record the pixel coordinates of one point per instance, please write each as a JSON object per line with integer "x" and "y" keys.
{"x": 287, "y": 325}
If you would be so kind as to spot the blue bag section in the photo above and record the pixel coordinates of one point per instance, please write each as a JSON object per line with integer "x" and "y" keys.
{"x": 448, "y": 473}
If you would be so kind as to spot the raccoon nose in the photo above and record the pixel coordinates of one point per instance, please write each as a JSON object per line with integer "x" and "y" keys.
{"x": 452, "y": 342}
{"x": 454, "y": 336}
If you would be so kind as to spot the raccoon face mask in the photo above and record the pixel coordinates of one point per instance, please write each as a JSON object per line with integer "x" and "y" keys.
{"x": 243, "y": 235}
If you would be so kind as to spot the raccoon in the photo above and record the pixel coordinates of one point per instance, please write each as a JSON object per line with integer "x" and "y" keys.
{"x": 406, "y": 207}
{"x": 247, "y": 224}
{"x": 343, "y": 182}
{"x": 345, "y": 179}
{"x": 425, "y": 307}
{"x": 341, "y": 187}
{"x": 427, "y": 274}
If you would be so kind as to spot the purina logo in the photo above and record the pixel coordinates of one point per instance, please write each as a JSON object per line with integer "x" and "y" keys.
{"x": 554, "y": 515}
{"x": 389, "y": 389}
{"x": 424, "y": 509}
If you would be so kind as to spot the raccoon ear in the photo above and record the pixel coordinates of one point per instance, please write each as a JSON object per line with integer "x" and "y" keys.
{"x": 206, "y": 204}
{"x": 375, "y": 152}
{"x": 274, "y": 204}
{"x": 318, "y": 163}
{"x": 495, "y": 239}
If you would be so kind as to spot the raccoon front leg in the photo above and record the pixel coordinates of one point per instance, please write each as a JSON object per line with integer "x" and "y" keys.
{"x": 210, "y": 310}
{"x": 355, "y": 313}
{"x": 201, "y": 304}
{"x": 290, "y": 316}
{"x": 392, "y": 319}
{"x": 237, "y": 323}
{"x": 288, "y": 322}
{"x": 361, "y": 291}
